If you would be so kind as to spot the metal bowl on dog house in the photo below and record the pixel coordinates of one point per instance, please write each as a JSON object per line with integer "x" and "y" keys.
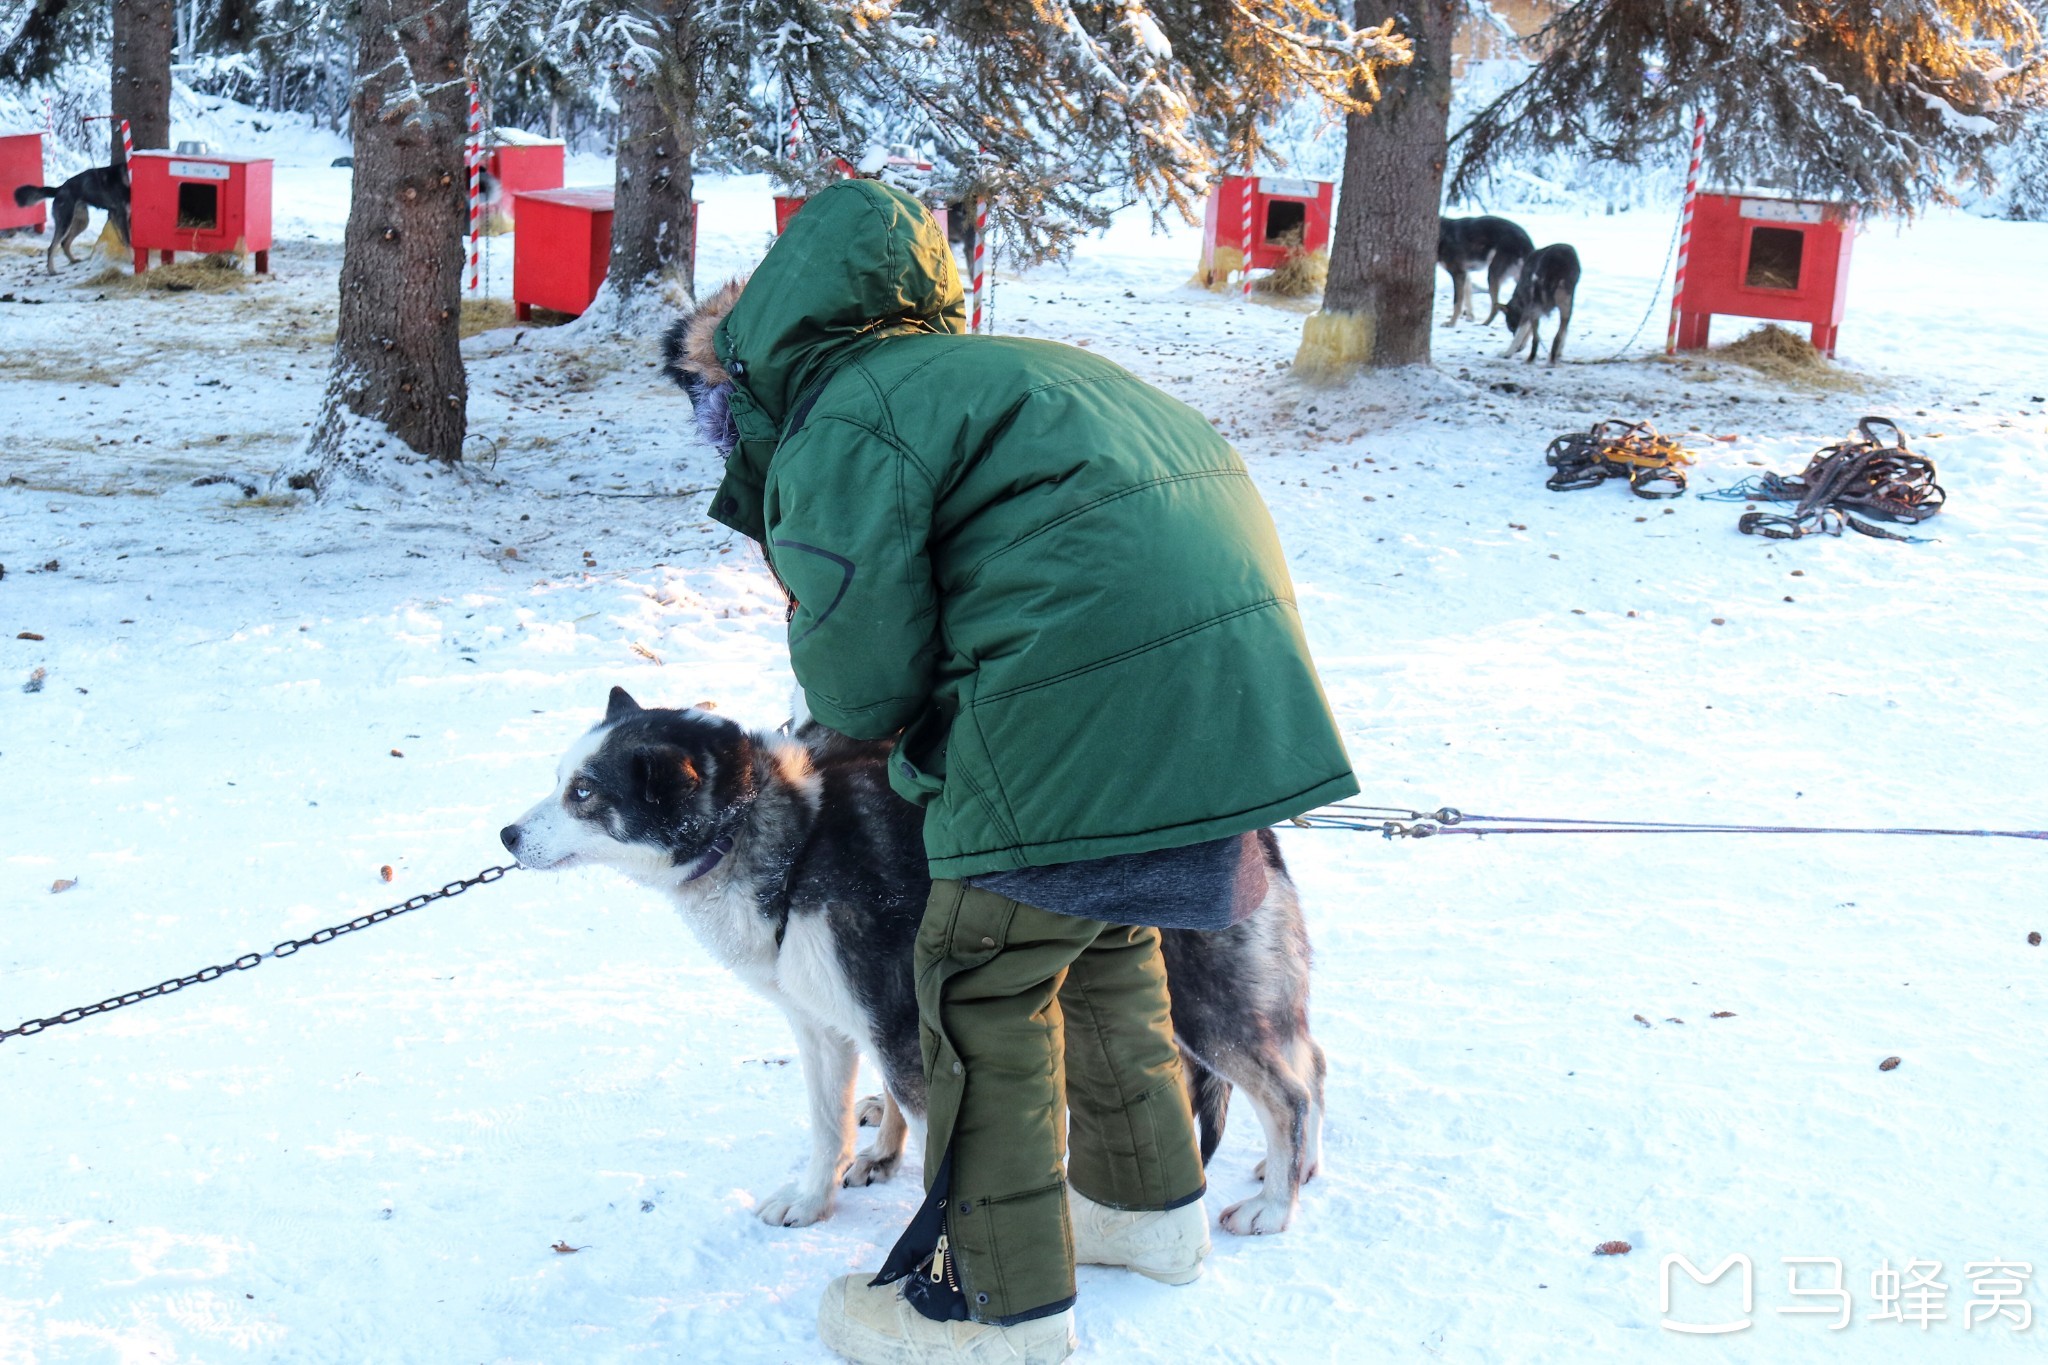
{"x": 202, "y": 204}
{"x": 1287, "y": 217}
{"x": 1764, "y": 256}
{"x": 21, "y": 163}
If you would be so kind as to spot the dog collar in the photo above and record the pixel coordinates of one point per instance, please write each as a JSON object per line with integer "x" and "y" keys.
{"x": 710, "y": 858}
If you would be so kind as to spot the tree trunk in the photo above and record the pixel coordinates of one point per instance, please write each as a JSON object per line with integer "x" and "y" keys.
{"x": 1382, "y": 283}
{"x": 144, "y": 31}
{"x": 397, "y": 370}
{"x": 653, "y": 232}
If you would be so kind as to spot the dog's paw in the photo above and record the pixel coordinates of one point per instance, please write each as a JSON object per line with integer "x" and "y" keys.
{"x": 868, "y": 1111}
{"x": 1262, "y": 1214}
{"x": 871, "y": 1168}
{"x": 790, "y": 1207}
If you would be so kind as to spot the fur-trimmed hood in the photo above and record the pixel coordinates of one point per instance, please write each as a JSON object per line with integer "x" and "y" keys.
{"x": 687, "y": 351}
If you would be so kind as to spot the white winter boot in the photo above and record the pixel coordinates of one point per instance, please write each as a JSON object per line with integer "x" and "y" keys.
{"x": 873, "y": 1325}
{"x": 1165, "y": 1245}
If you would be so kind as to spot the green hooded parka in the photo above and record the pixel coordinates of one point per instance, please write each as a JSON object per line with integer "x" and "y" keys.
{"x": 1058, "y": 578}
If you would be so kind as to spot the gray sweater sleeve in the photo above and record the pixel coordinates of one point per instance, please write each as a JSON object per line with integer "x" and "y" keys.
{"x": 1210, "y": 885}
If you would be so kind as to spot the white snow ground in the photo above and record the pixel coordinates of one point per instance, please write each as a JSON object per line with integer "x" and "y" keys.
{"x": 368, "y": 1153}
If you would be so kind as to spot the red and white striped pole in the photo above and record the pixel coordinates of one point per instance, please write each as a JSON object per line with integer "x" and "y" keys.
{"x": 127, "y": 153}
{"x": 1692, "y": 186}
{"x": 1251, "y": 193}
{"x": 796, "y": 129}
{"x": 980, "y": 257}
{"x": 475, "y": 158}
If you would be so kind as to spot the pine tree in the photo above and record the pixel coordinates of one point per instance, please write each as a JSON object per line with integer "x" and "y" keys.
{"x": 1056, "y": 111}
{"x": 654, "y": 220}
{"x": 1891, "y": 105}
{"x": 397, "y": 353}
{"x": 1381, "y": 286}
{"x": 37, "y": 36}
{"x": 141, "y": 73}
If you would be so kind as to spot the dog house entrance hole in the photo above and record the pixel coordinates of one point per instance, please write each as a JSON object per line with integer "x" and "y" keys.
{"x": 1774, "y": 257}
{"x": 199, "y": 206}
{"x": 1285, "y": 222}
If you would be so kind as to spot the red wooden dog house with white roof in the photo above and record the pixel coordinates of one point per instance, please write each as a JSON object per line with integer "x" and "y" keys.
{"x": 1760, "y": 256}
{"x": 201, "y": 204}
{"x": 1287, "y": 217}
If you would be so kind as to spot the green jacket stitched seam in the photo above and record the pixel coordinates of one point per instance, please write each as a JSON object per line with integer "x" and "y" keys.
{"x": 1134, "y": 651}
{"x": 1186, "y": 477}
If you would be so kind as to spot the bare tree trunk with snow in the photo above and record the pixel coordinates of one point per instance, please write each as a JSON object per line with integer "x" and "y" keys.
{"x": 1382, "y": 285}
{"x": 397, "y": 377}
{"x": 141, "y": 65}
{"x": 653, "y": 232}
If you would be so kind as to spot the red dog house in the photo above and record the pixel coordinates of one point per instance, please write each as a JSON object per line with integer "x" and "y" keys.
{"x": 1754, "y": 256}
{"x": 1287, "y": 216}
{"x": 561, "y": 255}
{"x": 562, "y": 249}
{"x": 522, "y": 163}
{"x": 21, "y": 163}
{"x": 199, "y": 204}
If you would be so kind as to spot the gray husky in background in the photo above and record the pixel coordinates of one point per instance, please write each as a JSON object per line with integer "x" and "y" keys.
{"x": 801, "y": 870}
{"x": 1549, "y": 283}
{"x": 1464, "y": 245}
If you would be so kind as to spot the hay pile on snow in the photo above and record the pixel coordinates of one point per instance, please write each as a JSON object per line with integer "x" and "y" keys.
{"x": 483, "y": 315}
{"x": 1785, "y": 356}
{"x": 1301, "y": 274}
{"x": 209, "y": 274}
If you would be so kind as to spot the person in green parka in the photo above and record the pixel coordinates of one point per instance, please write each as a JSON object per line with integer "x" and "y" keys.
{"x": 1059, "y": 590}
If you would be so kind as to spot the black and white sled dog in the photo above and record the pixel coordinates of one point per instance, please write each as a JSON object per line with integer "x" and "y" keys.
{"x": 1550, "y": 281}
{"x": 102, "y": 187}
{"x": 1464, "y": 245}
{"x": 801, "y": 870}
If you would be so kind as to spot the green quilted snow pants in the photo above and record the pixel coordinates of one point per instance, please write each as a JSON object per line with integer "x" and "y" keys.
{"x": 1030, "y": 1020}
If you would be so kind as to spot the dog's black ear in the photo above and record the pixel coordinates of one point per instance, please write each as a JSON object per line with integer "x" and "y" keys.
{"x": 663, "y": 774}
{"x": 621, "y": 705}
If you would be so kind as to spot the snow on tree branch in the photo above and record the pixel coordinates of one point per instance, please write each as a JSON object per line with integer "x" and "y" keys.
{"x": 1894, "y": 106}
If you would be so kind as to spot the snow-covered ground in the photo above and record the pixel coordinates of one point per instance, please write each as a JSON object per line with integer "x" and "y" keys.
{"x": 372, "y": 1152}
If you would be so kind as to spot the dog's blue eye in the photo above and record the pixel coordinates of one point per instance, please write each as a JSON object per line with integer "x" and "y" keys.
{"x": 579, "y": 793}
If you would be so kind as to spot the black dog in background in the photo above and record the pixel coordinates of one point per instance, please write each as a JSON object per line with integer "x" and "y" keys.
{"x": 103, "y": 187}
{"x": 1464, "y": 245}
{"x": 1549, "y": 282}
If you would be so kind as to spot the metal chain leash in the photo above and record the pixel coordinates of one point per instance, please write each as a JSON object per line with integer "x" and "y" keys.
{"x": 248, "y": 960}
